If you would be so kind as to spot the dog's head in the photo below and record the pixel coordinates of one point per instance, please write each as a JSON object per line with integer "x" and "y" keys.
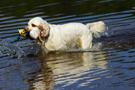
{"x": 37, "y": 26}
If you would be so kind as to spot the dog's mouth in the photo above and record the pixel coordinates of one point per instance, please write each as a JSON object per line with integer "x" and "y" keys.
{"x": 32, "y": 34}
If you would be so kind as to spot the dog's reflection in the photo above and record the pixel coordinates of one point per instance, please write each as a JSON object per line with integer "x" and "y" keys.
{"x": 57, "y": 66}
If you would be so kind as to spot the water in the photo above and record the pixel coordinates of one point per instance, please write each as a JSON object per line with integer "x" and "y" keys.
{"x": 110, "y": 64}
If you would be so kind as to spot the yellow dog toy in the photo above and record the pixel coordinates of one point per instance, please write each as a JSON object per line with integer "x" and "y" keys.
{"x": 24, "y": 34}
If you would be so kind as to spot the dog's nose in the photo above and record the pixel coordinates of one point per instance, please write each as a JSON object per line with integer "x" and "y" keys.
{"x": 26, "y": 29}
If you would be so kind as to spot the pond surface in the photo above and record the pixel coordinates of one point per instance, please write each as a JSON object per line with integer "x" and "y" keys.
{"x": 109, "y": 65}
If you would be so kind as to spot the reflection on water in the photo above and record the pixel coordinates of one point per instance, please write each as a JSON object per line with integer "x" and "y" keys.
{"x": 65, "y": 69}
{"x": 110, "y": 64}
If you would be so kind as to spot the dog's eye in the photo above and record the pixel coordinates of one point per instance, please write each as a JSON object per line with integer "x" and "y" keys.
{"x": 33, "y": 25}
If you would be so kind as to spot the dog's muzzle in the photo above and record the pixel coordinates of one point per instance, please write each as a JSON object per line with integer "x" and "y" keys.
{"x": 26, "y": 29}
{"x": 34, "y": 33}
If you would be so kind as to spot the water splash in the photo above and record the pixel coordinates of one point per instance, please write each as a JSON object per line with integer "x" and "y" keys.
{"x": 23, "y": 49}
{"x": 95, "y": 47}
{"x": 10, "y": 49}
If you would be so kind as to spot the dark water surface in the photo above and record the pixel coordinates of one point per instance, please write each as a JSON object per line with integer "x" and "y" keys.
{"x": 109, "y": 65}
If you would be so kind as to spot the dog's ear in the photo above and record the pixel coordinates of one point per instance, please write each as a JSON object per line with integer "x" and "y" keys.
{"x": 44, "y": 29}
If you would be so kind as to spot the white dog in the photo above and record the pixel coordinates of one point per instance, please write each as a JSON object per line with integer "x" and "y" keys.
{"x": 61, "y": 37}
